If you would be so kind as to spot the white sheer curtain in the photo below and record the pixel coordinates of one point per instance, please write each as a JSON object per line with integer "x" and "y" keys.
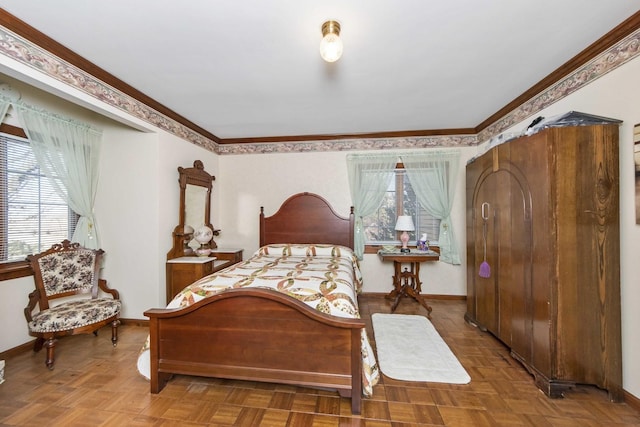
{"x": 4, "y": 106}
{"x": 433, "y": 177}
{"x": 369, "y": 179}
{"x": 69, "y": 151}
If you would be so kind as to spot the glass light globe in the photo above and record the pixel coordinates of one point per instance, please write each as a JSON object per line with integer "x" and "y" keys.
{"x": 203, "y": 234}
{"x": 331, "y": 47}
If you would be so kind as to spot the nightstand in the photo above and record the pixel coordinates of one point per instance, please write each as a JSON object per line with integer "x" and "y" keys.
{"x": 231, "y": 255}
{"x": 183, "y": 271}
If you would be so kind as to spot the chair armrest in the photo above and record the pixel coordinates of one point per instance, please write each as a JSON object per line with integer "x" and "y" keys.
{"x": 34, "y": 298}
{"x": 102, "y": 283}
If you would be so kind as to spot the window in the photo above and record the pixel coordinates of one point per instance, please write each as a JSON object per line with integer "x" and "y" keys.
{"x": 32, "y": 215}
{"x": 400, "y": 199}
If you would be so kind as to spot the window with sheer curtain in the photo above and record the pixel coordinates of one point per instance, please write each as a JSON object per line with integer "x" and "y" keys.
{"x": 381, "y": 190}
{"x": 399, "y": 199}
{"x": 33, "y": 216}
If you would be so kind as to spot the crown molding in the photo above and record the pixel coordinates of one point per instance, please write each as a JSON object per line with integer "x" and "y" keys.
{"x": 23, "y": 43}
{"x": 352, "y": 144}
{"x": 46, "y": 47}
{"x": 614, "y": 57}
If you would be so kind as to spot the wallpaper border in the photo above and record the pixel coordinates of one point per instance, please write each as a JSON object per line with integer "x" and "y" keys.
{"x": 33, "y": 56}
{"x": 614, "y": 57}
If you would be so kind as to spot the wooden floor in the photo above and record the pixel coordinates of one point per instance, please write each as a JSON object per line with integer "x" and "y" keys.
{"x": 94, "y": 384}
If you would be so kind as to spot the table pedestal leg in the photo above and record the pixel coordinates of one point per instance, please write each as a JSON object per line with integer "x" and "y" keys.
{"x": 396, "y": 293}
{"x": 407, "y": 283}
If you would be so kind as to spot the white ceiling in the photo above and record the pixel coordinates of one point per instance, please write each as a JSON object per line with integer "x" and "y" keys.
{"x": 251, "y": 68}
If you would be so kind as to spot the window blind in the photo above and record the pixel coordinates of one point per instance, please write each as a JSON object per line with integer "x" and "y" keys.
{"x": 32, "y": 214}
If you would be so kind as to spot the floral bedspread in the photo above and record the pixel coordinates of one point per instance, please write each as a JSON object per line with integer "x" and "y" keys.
{"x": 325, "y": 277}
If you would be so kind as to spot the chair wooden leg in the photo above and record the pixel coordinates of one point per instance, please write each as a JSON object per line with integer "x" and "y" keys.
{"x": 49, "y": 345}
{"x": 114, "y": 332}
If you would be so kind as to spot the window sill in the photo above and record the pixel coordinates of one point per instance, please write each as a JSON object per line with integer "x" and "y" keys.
{"x": 14, "y": 270}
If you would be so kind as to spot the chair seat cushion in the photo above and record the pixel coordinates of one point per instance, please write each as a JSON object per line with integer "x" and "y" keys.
{"x": 74, "y": 314}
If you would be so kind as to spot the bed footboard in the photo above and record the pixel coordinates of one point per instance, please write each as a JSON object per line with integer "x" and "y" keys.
{"x": 257, "y": 335}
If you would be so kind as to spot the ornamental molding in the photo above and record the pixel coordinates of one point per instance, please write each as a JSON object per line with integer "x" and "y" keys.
{"x": 614, "y": 57}
{"x": 350, "y": 144}
{"x": 27, "y": 53}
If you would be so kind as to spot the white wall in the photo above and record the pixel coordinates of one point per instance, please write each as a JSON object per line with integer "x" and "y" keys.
{"x": 269, "y": 179}
{"x": 251, "y": 181}
{"x": 137, "y": 207}
{"x": 136, "y": 210}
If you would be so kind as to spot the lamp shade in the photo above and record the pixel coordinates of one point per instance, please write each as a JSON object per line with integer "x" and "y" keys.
{"x": 405, "y": 223}
{"x": 203, "y": 234}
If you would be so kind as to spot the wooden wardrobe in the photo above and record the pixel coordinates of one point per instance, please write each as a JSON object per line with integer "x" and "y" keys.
{"x": 552, "y": 237}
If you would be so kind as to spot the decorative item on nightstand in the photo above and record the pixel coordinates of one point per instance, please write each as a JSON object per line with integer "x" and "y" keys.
{"x": 404, "y": 224}
{"x": 203, "y": 235}
{"x": 423, "y": 243}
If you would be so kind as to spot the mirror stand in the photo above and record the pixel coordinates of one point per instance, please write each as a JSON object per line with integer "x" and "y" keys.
{"x": 195, "y": 209}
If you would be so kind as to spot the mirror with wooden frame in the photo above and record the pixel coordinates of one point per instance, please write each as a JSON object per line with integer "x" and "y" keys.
{"x": 195, "y": 209}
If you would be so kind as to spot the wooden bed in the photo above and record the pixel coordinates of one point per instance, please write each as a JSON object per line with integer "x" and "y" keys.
{"x": 263, "y": 335}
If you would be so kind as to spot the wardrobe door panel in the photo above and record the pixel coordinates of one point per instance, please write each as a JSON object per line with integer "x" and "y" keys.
{"x": 518, "y": 278}
{"x": 473, "y": 173}
{"x": 502, "y": 252}
{"x": 486, "y": 288}
{"x": 531, "y": 159}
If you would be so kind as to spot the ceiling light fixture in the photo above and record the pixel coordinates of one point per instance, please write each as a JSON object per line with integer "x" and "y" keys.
{"x": 331, "y": 45}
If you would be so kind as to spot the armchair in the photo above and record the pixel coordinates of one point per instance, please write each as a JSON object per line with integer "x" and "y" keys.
{"x": 65, "y": 270}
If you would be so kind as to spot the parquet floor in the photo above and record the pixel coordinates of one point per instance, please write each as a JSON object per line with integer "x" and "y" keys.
{"x": 96, "y": 385}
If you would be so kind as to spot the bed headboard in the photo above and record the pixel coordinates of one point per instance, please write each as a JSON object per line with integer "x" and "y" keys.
{"x": 306, "y": 218}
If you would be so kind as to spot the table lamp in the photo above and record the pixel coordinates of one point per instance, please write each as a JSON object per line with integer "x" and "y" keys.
{"x": 404, "y": 224}
{"x": 203, "y": 235}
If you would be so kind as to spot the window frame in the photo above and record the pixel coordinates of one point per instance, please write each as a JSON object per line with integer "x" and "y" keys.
{"x": 373, "y": 248}
{"x": 14, "y": 269}
{"x": 21, "y": 268}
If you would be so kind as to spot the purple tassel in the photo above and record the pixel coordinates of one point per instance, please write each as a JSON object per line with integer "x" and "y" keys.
{"x": 485, "y": 270}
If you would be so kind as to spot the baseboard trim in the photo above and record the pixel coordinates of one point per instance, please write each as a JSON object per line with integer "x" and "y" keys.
{"x": 631, "y": 400}
{"x": 135, "y": 322}
{"x": 17, "y": 350}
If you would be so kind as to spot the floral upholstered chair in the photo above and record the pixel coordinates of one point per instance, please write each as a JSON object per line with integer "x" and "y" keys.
{"x": 65, "y": 270}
